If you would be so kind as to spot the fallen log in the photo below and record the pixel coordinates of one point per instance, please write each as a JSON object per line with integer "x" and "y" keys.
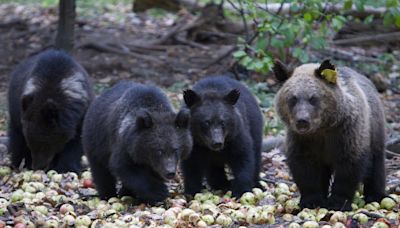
{"x": 379, "y": 38}
{"x": 103, "y": 47}
{"x": 346, "y": 55}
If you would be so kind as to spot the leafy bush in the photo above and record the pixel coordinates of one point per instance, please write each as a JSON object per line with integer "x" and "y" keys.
{"x": 305, "y": 25}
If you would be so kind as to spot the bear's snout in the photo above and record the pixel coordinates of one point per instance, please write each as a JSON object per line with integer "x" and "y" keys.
{"x": 170, "y": 175}
{"x": 169, "y": 168}
{"x": 302, "y": 125}
{"x": 217, "y": 139}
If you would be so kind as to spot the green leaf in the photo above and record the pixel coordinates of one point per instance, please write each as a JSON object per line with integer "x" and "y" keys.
{"x": 239, "y": 54}
{"x": 261, "y": 44}
{"x": 289, "y": 36}
{"x": 348, "y": 4}
{"x": 276, "y": 43}
{"x": 338, "y": 22}
{"x": 397, "y": 22}
{"x": 387, "y": 19}
{"x": 369, "y": 19}
{"x": 268, "y": 63}
{"x": 301, "y": 55}
{"x": 308, "y": 17}
{"x": 391, "y": 3}
{"x": 360, "y": 5}
{"x": 245, "y": 61}
{"x": 258, "y": 65}
{"x": 318, "y": 42}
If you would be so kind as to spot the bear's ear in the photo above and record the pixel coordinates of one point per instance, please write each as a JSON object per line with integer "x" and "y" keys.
{"x": 327, "y": 71}
{"x": 26, "y": 100}
{"x": 50, "y": 110}
{"x": 183, "y": 118}
{"x": 190, "y": 97}
{"x": 144, "y": 120}
{"x": 232, "y": 97}
{"x": 326, "y": 64}
{"x": 282, "y": 73}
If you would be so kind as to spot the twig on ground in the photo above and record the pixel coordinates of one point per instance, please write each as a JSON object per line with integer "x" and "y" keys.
{"x": 107, "y": 48}
{"x": 372, "y": 215}
{"x": 182, "y": 25}
{"x": 220, "y": 57}
{"x": 380, "y": 38}
{"x": 392, "y": 142}
{"x": 274, "y": 181}
{"x": 392, "y": 153}
{"x": 191, "y": 43}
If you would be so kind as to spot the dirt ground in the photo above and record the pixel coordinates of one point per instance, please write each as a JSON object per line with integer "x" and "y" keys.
{"x": 27, "y": 30}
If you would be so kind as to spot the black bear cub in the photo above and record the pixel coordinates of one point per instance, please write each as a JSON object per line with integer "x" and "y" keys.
{"x": 48, "y": 97}
{"x": 227, "y": 127}
{"x": 335, "y": 129}
{"x": 132, "y": 134}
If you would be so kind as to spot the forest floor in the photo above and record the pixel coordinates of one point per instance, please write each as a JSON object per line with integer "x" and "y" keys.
{"x": 28, "y": 29}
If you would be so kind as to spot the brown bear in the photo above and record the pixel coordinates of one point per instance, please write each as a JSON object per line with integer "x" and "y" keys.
{"x": 335, "y": 130}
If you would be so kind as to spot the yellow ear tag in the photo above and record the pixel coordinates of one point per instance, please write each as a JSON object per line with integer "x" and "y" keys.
{"x": 330, "y": 75}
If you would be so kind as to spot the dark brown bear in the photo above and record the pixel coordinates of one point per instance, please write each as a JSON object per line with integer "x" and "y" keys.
{"x": 47, "y": 100}
{"x": 335, "y": 129}
{"x": 131, "y": 133}
{"x": 227, "y": 127}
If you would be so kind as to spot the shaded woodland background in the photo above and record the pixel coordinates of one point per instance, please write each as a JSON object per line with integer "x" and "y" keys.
{"x": 174, "y": 43}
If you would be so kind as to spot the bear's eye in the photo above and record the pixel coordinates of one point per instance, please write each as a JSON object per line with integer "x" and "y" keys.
{"x": 160, "y": 152}
{"x": 292, "y": 101}
{"x": 207, "y": 123}
{"x": 313, "y": 100}
{"x": 222, "y": 123}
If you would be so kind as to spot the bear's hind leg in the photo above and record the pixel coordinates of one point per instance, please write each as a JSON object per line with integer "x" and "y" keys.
{"x": 374, "y": 183}
{"x": 347, "y": 178}
{"x": 326, "y": 176}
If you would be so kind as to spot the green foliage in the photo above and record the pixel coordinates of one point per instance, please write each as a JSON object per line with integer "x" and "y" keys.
{"x": 307, "y": 25}
{"x": 272, "y": 124}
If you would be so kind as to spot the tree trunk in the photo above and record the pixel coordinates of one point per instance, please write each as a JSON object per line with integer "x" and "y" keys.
{"x": 66, "y": 22}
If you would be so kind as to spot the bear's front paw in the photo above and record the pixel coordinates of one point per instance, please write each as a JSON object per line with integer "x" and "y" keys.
{"x": 238, "y": 192}
{"x": 192, "y": 189}
{"x": 375, "y": 197}
{"x": 339, "y": 203}
{"x": 154, "y": 198}
{"x": 312, "y": 202}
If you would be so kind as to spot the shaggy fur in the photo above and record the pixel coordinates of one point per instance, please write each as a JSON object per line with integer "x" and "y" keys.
{"x": 227, "y": 127}
{"x": 332, "y": 130}
{"x": 131, "y": 133}
{"x": 45, "y": 119}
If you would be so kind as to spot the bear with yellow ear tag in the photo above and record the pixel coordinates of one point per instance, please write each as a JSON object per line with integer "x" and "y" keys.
{"x": 335, "y": 130}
